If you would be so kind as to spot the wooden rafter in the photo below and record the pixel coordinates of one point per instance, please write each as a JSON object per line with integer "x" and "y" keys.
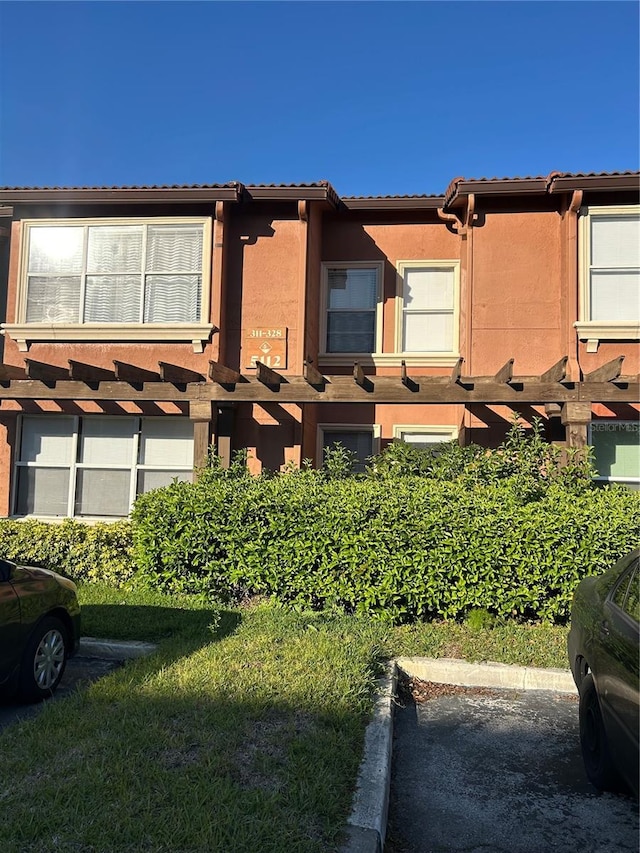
{"x": 89, "y": 373}
{"x": 607, "y": 372}
{"x": 266, "y": 376}
{"x": 312, "y": 375}
{"x": 224, "y": 375}
{"x": 135, "y": 375}
{"x": 456, "y": 373}
{"x": 178, "y": 375}
{"x": 360, "y": 379}
{"x": 505, "y": 374}
{"x": 45, "y": 372}
{"x": 557, "y": 372}
{"x": 406, "y": 380}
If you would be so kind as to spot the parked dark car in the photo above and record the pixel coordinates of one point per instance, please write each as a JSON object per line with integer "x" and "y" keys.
{"x": 603, "y": 654}
{"x": 39, "y": 629}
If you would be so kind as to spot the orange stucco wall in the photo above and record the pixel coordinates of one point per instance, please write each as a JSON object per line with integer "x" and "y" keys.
{"x": 518, "y": 299}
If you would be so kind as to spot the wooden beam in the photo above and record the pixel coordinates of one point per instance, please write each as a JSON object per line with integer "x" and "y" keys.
{"x": 267, "y": 376}
{"x": 556, "y": 373}
{"x": 607, "y": 372}
{"x": 80, "y": 372}
{"x": 133, "y": 374}
{"x": 178, "y": 375}
{"x": 45, "y": 372}
{"x": 337, "y": 389}
{"x": 312, "y": 375}
{"x": 223, "y": 375}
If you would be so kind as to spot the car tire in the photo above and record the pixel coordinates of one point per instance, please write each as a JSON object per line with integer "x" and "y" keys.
{"x": 598, "y": 764}
{"x": 45, "y": 659}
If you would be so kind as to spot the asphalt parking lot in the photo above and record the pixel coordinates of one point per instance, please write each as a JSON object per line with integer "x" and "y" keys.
{"x": 80, "y": 670}
{"x": 493, "y": 771}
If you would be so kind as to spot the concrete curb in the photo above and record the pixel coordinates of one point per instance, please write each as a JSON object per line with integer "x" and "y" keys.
{"x": 500, "y": 675}
{"x": 367, "y": 825}
{"x": 114, "y": 649}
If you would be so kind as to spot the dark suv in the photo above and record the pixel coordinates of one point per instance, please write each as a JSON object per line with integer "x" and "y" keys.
{"x": 39, "y": 629}
{"x": 603, "y": 654}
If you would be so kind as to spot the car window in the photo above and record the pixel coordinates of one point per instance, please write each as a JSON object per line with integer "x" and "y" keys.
{"x": 627, "y": 593}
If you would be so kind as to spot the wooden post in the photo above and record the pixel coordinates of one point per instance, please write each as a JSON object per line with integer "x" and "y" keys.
{"x": 576, "y": 417}
{"x": 224, "y": 430}
{"x": 201, "y": 413}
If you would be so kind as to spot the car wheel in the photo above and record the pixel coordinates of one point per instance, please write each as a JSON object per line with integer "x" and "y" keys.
{"x": 599, "y": 766}
{"x": 44, "y": 660}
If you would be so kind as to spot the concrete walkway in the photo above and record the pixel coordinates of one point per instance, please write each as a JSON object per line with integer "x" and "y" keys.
{"x": 499, "y": 772}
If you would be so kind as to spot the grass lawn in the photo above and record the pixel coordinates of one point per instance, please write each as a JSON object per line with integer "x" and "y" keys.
{"x": 243, "y": 732}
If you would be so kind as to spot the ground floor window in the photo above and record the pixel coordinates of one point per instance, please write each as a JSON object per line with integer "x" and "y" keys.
{"x": 424, "y": 436}
{"x": 94, "y": 466}
{"x": 363, "y": 441}
{"x": 616, "y": 450}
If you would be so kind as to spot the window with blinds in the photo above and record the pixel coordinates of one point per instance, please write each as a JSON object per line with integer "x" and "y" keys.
{"x": 616, "y": 451}
{"x": 109, "y": 272}
{"x": 614, "y": 267}
{"x": 95, "y": 466}
{"x": 428, "y": 297}
{"x": 352, "y": 305}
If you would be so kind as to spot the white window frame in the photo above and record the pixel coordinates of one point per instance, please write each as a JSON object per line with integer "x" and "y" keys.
{"x": 435, "y": 358}
{"x": 447, "y": 432}
{"x": 24, "y": 333}
{"x": 327, "y": 429}
{"x": 349, "y": 357}
{"x": 593, "y": 331}
{"x": 73, "y": 465}
{"x": 603, "y": 422}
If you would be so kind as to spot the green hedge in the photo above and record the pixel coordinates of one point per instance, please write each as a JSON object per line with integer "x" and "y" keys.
{"x": 421, "y": 534}
{"x": 82, "y": 552}
{"x": 403, "y": 547}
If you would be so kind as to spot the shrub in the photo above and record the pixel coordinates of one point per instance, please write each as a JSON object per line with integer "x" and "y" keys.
{"x": 398, "y": 546}
{"x": 82, "y": 552}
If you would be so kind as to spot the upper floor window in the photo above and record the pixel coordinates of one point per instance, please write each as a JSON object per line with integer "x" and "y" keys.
{"x": 609, "y": 274}
{"x": 428, "y": 303}
{"x": 353, "y": 308}
{"x": 135, "y": 272}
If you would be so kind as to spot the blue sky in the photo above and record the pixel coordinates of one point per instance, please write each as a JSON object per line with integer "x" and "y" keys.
{"x": 377, "y": 97}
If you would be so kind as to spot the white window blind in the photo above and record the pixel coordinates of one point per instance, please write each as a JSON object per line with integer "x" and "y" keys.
{"x": 428, "y": 309}
{"x": 123, "y": 273}
{"x": 614, "y": 270}
{"x": 616, "y": 447}
{"x": 96, "y": 465}
{"x": 351, "y": 309}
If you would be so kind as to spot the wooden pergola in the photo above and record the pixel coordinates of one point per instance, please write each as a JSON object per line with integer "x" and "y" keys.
{"x": 570, "y": 400}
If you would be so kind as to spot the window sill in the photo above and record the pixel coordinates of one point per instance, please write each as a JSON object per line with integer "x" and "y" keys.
{"x": 594, "y": 331}
{"x": 25, "y": 333}
{"x": 388, "y": 359}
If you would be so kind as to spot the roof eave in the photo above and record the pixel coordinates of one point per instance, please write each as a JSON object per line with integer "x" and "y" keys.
{"x": 590, "y": 183}
{"x": 393, "y": 203}
{"x": 146, "y": 195}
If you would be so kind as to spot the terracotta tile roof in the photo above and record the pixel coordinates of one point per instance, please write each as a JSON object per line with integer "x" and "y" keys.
{"x": 123, "y": 187}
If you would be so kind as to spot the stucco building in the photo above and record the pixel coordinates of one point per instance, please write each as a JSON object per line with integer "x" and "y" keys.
{"x": 143, "y": 324}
